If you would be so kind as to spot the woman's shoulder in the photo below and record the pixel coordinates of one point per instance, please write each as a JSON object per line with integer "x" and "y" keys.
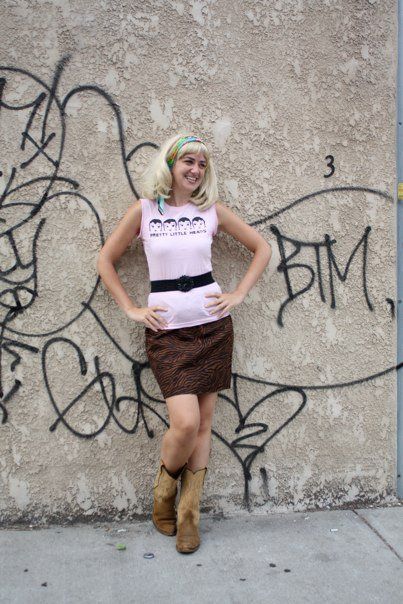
{"x": 224, "y": 215}
{"x": 222, "y": 208}
{"x": 139, "y": 207}
{"x": 144, "y": 203}
{"x": 211, "y": 208}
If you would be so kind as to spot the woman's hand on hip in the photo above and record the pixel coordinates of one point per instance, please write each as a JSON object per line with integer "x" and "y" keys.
{"x": 149, "y": 316}
{"x": 223, "y": 302}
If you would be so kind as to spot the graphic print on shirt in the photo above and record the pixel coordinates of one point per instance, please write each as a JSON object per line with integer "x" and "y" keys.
{"x": 171, "y": 227}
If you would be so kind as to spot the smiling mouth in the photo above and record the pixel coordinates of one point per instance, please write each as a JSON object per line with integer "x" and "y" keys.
{"x": 191, "y": 180}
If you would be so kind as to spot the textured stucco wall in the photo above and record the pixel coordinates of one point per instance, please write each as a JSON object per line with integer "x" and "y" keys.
{"x": 275, "y": 87}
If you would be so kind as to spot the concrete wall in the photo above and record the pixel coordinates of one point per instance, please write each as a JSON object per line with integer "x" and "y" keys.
{"x": 297, "y": 101}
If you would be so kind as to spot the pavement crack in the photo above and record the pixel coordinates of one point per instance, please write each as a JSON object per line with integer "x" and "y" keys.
{"x": 378, "y": 534}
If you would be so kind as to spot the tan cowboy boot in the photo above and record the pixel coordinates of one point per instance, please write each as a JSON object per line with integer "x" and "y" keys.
{"x": 165, "y": 489}
{"x": 187, "y": 538}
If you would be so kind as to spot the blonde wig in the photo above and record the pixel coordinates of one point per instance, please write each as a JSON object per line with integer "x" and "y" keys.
{"x": 157, "y": 179}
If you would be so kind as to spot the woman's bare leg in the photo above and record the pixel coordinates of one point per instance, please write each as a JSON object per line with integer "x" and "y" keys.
{"x": 180, "y": 438}
{"x": 200, "y": 453}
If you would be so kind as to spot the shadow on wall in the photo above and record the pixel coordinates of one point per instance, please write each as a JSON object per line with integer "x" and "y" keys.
{"x": 31, "y": 179}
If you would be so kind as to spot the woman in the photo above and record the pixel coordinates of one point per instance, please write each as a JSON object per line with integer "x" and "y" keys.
{"x": 188, "y": 328}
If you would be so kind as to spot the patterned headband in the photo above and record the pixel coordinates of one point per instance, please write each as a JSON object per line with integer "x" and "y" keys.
{"x": 178, "y": 146}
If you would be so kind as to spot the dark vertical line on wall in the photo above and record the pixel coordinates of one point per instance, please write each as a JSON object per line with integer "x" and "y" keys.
{"x": 399, "y": 141}
{"x": 56, "y": 78}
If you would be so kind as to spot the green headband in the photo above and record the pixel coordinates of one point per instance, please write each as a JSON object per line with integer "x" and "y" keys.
{"x": 178, "y": 146}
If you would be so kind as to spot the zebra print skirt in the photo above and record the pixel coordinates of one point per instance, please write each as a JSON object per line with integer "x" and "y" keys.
{"x": 192, "y": 360}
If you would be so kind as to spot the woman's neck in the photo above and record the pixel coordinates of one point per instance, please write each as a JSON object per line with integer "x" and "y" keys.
{"x": 178, "y": 199}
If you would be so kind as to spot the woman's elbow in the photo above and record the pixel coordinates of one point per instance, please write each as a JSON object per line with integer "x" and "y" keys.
{"x": 99, "y": 264}
{"x": 269, "y": 250}
{"x": 266, "y": 250}
{"x": 102, "y": 259}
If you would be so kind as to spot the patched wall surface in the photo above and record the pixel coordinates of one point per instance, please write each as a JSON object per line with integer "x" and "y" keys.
{"x": 297, "y": 102}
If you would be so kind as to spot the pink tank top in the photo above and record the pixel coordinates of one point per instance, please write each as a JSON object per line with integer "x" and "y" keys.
{"x": 176, "y": 243}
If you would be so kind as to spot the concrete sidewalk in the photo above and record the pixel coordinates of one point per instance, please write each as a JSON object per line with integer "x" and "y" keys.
{"x": 343, "y": 556}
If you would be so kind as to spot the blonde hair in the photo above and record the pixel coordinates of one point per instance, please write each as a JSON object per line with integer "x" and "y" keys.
{"x": 157, "y": 179}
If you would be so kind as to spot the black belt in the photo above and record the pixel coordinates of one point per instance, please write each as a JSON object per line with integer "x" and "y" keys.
{"x": 183, "y": 284}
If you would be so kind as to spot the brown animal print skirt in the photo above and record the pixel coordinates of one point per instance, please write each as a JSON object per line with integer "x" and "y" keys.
{"x": 192, "y": 360}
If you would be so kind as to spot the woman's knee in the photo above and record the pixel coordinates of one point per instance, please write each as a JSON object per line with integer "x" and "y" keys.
{"x": 184, "y": 418}
{"x": 186, "y": 427}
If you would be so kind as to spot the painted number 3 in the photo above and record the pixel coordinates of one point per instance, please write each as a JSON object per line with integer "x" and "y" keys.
{"x": 330, "y": 164}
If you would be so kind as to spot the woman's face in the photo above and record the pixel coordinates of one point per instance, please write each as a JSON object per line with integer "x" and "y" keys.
{"x": 188, "y": 172}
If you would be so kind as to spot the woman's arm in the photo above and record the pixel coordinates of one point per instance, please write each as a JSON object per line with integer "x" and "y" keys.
{"x": 113, "y": 249}
{"x": 233, "y": 225}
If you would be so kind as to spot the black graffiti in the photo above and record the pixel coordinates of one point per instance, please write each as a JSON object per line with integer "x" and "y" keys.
{"x": 10, "y": 347}
{"x": 330, "y": 165}
{"x": 110, "y": 404}
{"x": 41, "y": 146}
{"x": 316, "y": 272}
{"x": 310, "y": 197}
{"x": 391, "y": 306}
{"x": 255, "y": 436}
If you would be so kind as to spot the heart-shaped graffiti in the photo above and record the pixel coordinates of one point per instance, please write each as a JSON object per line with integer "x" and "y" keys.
{"x": 255, "y": 436}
